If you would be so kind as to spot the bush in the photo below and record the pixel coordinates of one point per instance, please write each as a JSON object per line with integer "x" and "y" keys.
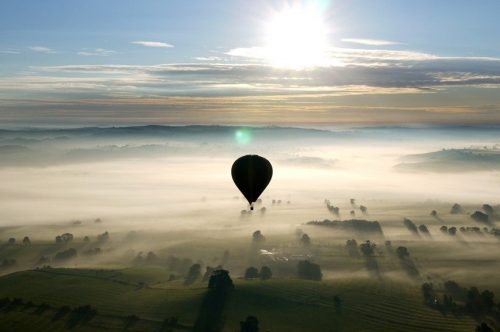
{"x": 265, "y": 273}
{"x": 66, "y": 254}
{"x": 309, "y": 271}
{"x": 251, "y": 273}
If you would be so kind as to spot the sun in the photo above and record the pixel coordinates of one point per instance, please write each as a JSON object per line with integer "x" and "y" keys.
{"x": 297, "y": 38}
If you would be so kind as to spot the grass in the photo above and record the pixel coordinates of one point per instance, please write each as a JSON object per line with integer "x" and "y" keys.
{"x": 280, "y": 304}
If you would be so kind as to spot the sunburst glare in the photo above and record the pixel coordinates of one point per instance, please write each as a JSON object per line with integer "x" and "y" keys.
{"x": 296, "y": 38}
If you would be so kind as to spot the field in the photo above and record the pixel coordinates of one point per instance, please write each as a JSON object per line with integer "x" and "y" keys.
{"x": 121, "y": 229}
{"x": 280, "y": 305}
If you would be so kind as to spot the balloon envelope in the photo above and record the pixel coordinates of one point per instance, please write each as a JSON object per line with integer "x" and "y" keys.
{"x": 251, "y": 174}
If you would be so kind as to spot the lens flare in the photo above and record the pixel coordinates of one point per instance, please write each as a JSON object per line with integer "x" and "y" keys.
{"x": 243, "y": 136}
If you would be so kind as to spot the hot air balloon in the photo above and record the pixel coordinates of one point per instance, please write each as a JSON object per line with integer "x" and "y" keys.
{"x": 251, "y": 174}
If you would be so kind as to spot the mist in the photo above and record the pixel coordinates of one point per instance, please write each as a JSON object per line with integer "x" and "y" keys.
{"x": 168, "y": 190}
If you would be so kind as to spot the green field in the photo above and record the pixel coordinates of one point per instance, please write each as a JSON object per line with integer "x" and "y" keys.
{"x": 279, "y": 304}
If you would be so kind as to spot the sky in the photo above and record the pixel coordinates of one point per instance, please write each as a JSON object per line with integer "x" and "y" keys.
{"x": 321, "y": 62}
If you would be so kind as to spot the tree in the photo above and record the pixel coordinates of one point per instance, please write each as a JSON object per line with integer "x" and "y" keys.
{"x": 26, "y": 241}
{"x": 265, "y": 273}
{"x": 258, "y": 237}
{"x": 367, "y": 248}
{"x": 251, "y": 273}
{"x": 104, "y": 237}
{"x": 483, "y": 327}
{"x": 352, "y": 247}
{"x": 86, "y": 239}
{"x": 428, "y": 292}
{"x": 434, "y": 214}
{"x": 309, "y": 271}
{"x": 251, "y": 324}
{"x": 337, "y": 302}
{"x": 456, "y": 209}
{"x": 452, "y": 230}
{"x": 208, "y": 272}
{"x": 402, "y": 252}
{"x": 487, "y": 299}
{"x": 193, "y": 274}
{"x": 220, "y": 281}
{"x": 12, "y": 241}
{"x": 489, "y": 209}
{"x": 410, "y": 225}
{"x": 305, "y": 240}
{"x": 423, "y": 229}
{"x": 363, "y": 209}
{"x": 481, "y": 217}
{"x": 444, "y": 229}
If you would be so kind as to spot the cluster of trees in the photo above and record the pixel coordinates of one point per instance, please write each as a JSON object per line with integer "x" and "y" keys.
{"x": 448, "y": 230}
{"x": 66, "y": 254}
{"x": 8, "y": 262}
{"x": 459, "y": 299}
{"x": 472, "y": 230}
{"x": 26, "y": 241}
{"x": 150, "y": 258}
{"x": 64, "y": 238}
{"x": 335, "y": 210}
{"x": 265, "y": 273}
{"x": 309, "y": 271}
{"x": 77, "y": 315}
{"x": 487, "y": 217}
{"x": 193, "y": 274}
{"x": 356, "y": 225}
{"x": 179, "y": 265}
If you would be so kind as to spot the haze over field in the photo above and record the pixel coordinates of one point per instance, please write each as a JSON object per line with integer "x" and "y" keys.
{"x": 163, "y": 173}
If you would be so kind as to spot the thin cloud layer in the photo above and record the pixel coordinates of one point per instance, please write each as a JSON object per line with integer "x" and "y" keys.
{"x": 42, "y": 49}
{"x": 363, "y": 85}
{"x": 96, "y": 52}
{"x": 155, "y": 44}
{"x": 369, "y": 42}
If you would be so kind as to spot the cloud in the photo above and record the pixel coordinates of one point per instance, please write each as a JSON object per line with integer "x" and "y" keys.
{"x": 372, "y": 85}
{"x": 42, "y": 49}
{"x": 96, "y": 52}
{"x": 9, "y": 52}
{"x": 378, "y": 70}
{"x": 152, "y": 44}
{"x": 208, "y": 58}
{"x": 369, "y": 42}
